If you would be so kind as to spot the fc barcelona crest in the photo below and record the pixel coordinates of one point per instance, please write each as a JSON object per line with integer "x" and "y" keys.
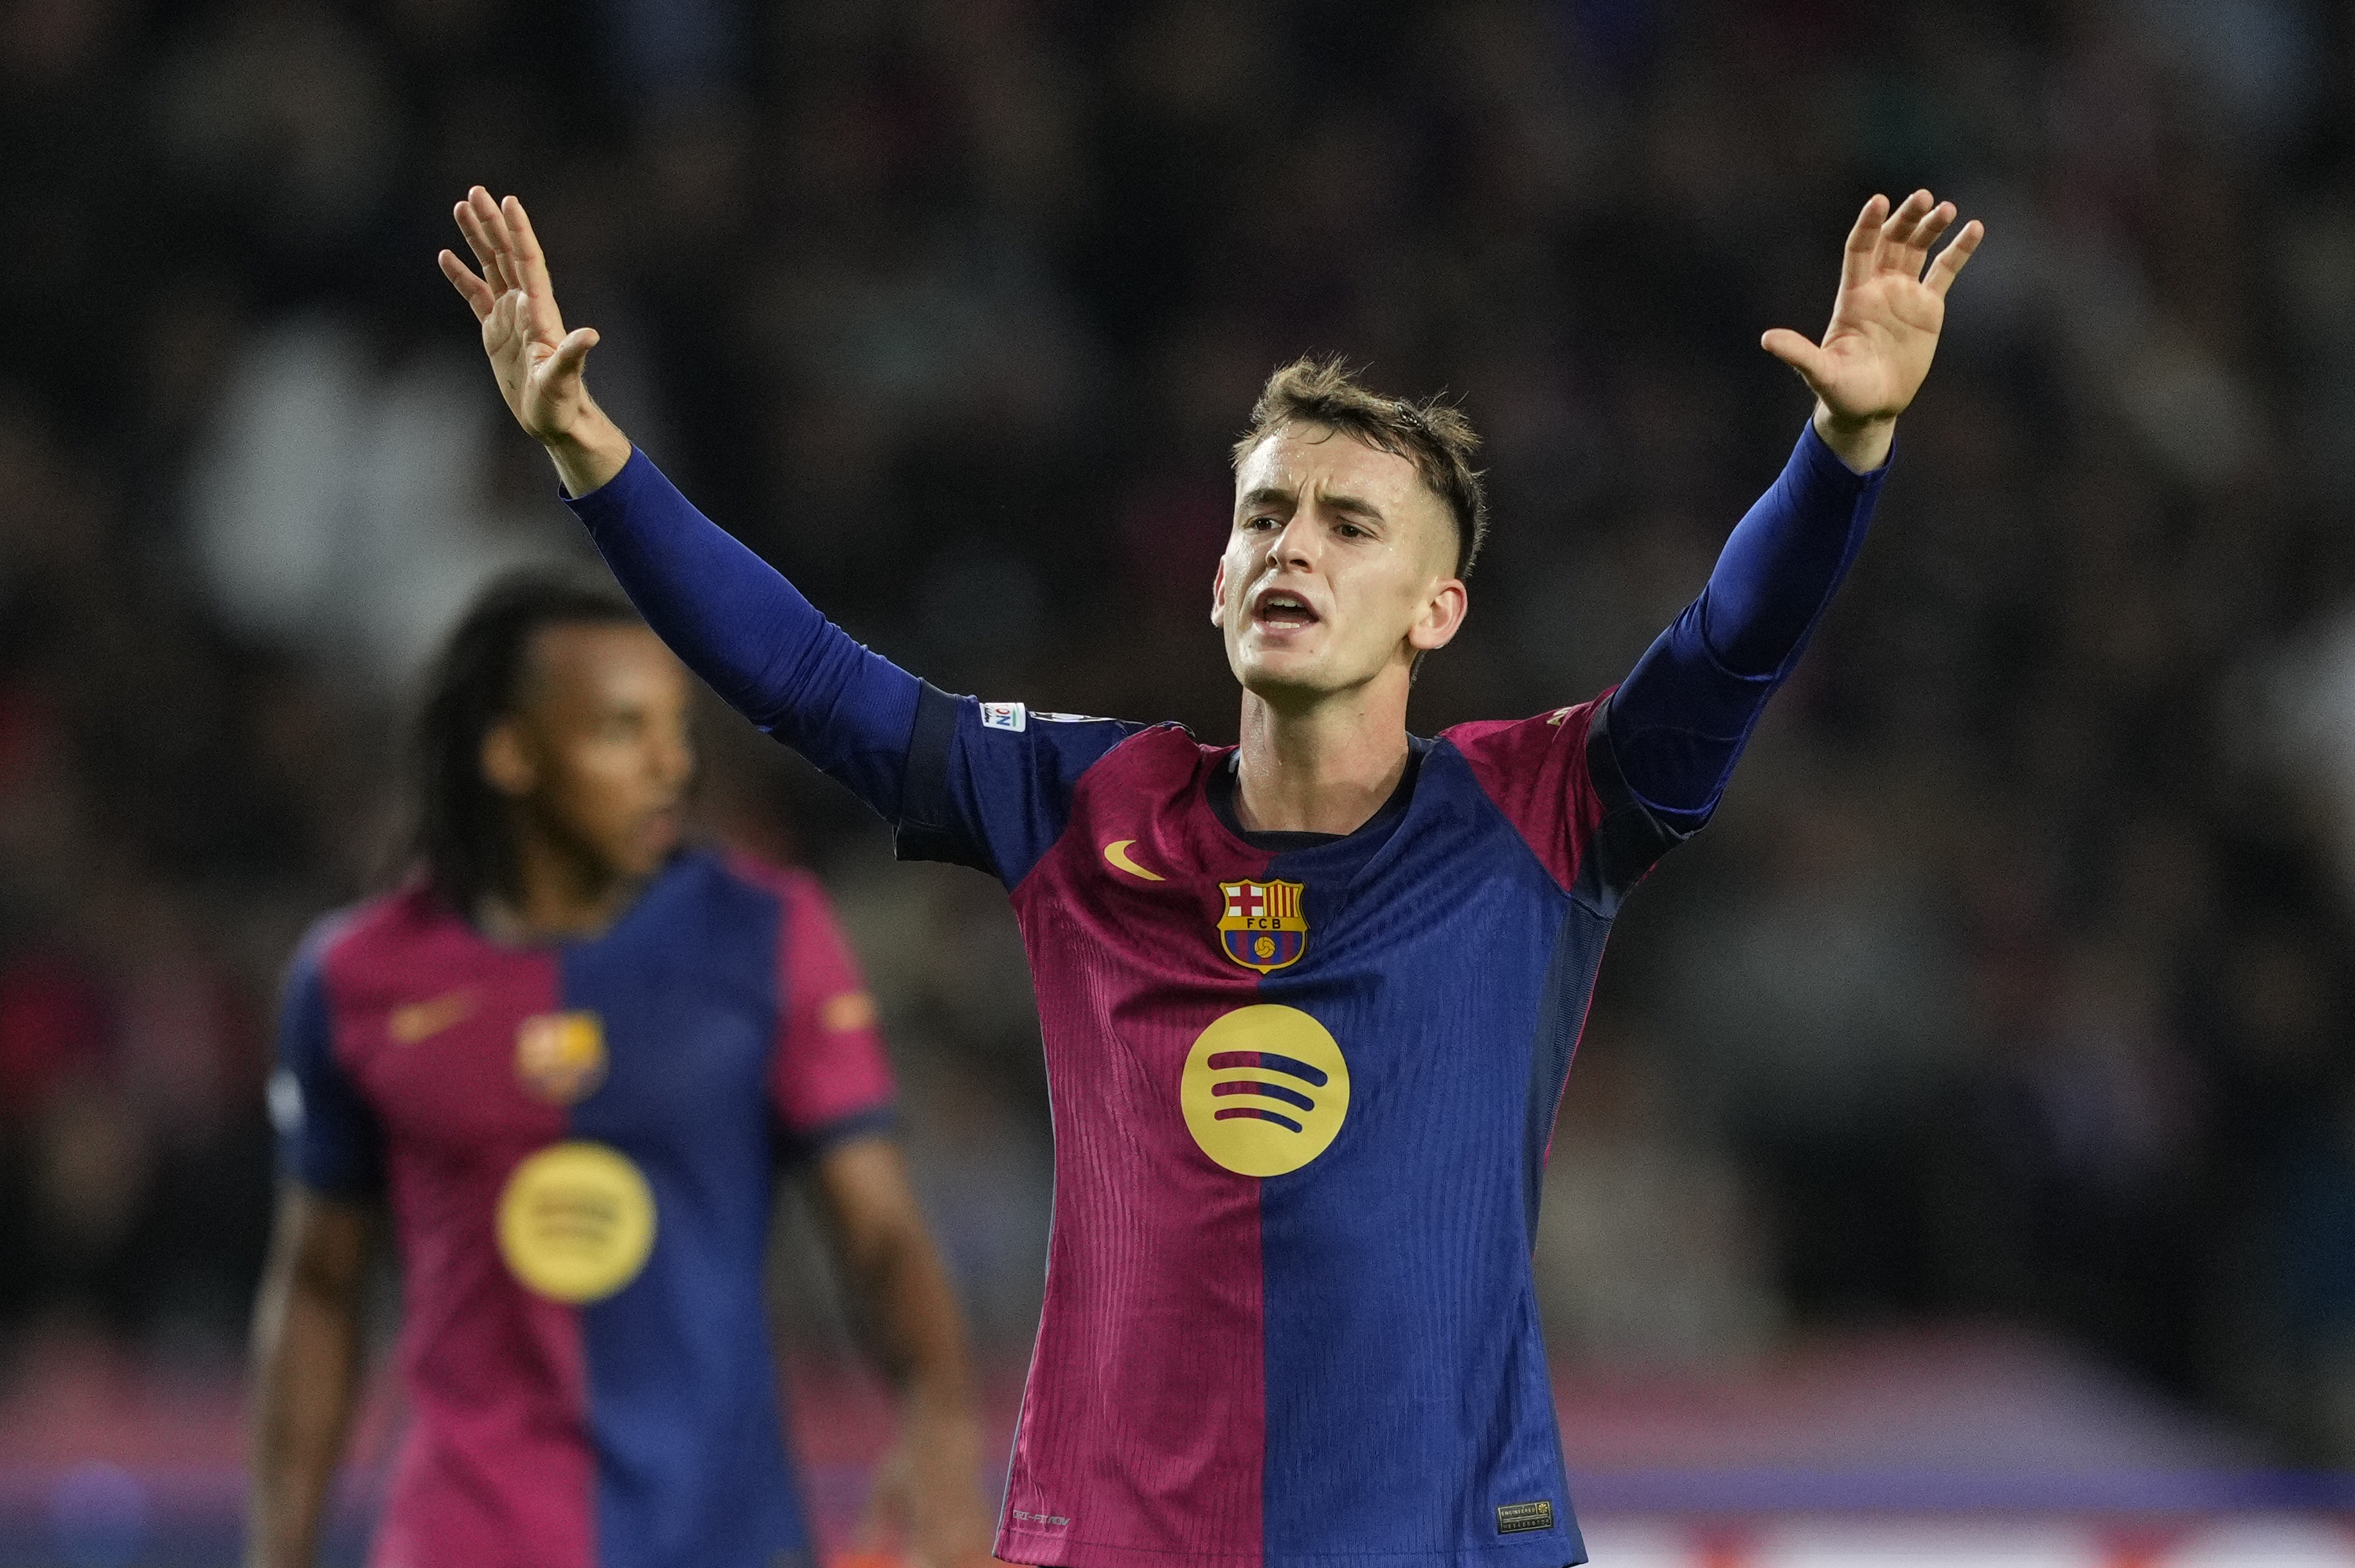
{"x": 1262, "y": 927}
{"x": 561, "y": 1057}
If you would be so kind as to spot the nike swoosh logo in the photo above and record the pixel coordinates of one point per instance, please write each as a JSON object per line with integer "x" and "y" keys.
{"x": 1116, "y": 852}
{"x": 421, "y": 1021}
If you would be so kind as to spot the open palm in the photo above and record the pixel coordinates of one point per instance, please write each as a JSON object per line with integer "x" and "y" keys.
{"x": 1886, "y": 320}
{"x": 537, "y": 362}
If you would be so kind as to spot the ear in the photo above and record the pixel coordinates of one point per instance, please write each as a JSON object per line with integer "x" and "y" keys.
{"x": 1442, "y": 617}
{"x": 1219, "y": 594}
{"x": 506, "y": 763}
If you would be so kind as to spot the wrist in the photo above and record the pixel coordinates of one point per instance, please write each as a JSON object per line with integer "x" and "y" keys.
{"x": 1862, "y": 445}
{"x": 588, "y": 454}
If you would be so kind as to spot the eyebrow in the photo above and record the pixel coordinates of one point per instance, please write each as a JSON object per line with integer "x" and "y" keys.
{"x": 1353, "y": 505}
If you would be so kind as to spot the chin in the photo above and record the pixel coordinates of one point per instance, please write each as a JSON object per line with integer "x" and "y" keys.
{"x": 651, "y": 856}
{"x": 1285, "y": 679}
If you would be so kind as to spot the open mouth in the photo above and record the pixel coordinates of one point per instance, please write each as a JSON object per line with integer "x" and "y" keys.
{"x": 1281, "y": 611}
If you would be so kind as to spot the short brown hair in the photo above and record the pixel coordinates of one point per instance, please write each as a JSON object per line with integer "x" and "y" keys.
{"x": 1434, "y": 436}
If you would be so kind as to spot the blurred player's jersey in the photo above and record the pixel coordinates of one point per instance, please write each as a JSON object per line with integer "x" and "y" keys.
{"x": 1304, "y": 1088}
{"x": 579, "y": 1143}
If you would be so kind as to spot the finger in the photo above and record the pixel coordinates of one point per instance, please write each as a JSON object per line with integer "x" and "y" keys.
{"x": 533, "y": 262}
{"x": 540, "y": 315}
{"x": 1896, "y": 233}
{"x": 1794, "y": 349}
{"x": 494, "y": 225}
{"x": 486, "y": 248}
{"x": 472, "y": 233}
{"x": 1863, "y": 239}
{"x": 1933, "y": 223}
{"x": 1952, "y": 259}
{"x": 572, "y": 353}
{"x": 479, "y": 222}
{"x": 471, "y": 288}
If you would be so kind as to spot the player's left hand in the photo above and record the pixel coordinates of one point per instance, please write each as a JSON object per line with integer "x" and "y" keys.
{"x": 1885, "y": 324}
{"x": 927, "y": 1493}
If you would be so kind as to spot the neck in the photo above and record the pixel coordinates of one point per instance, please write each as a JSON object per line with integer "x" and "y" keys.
{"x": 1325, "y": 767}
{"x": 560, "y": 890}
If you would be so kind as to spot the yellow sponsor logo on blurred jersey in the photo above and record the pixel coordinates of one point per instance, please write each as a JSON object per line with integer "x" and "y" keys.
{"x": 576, "y": 1222}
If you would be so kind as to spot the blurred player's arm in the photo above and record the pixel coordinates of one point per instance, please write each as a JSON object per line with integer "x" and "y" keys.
{"x": 306, "y": 1315}
{"x": 1679, "y": 722}
{"x": 306, "y": 1368}
{"x": 723, "y": 609}
{"x": 908, "y": 1318}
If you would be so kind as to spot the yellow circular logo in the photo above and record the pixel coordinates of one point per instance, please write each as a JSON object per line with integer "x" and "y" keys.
{"x": 576, "y": 1222}
{"x": 1265, "y": 1090}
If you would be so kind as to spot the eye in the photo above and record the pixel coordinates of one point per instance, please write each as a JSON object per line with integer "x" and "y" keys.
{"x": 1255, "y": 523}
{"x": 1351, "y": 531}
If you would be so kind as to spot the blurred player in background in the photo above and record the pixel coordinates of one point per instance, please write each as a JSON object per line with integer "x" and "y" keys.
{"x": 1308, "y": 1003}
{"x": 570, "y": 1056}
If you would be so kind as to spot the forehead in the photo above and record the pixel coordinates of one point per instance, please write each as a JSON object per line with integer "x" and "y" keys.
{"x": 1297, "y": 457}
{"x": 592, "y": 661}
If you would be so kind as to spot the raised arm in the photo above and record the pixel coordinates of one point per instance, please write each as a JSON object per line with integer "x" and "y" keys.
{"x": 730, "y": 616}
{"x": 1679, "y": 722}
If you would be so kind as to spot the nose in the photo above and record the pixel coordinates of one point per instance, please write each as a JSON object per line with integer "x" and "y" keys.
{"x": 1296, "y": 547}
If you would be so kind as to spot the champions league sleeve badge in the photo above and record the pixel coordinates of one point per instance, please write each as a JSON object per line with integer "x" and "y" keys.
{"x": 1262, "y": 927}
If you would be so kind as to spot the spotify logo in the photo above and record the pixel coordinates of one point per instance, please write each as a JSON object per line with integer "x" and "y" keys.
{"x": 576, "y": 1222}
{"x": 1265, "y": 1090}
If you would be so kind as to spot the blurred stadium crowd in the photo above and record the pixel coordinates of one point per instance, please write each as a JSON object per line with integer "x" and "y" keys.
{"x": 2013, "y": 980}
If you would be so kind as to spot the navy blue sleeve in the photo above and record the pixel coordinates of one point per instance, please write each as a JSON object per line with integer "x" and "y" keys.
{"x": 328, "y": 1137}
{"x": 1679, "y": 720}
{"x": 750, "y": 634}
{"x": 989, "y": 784}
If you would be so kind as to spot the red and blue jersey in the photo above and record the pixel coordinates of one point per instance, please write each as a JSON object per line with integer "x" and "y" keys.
{"x": 1303, "y": 1085}
{"x": 578, "y": 1144}
{"x": 1303, "y": 1091}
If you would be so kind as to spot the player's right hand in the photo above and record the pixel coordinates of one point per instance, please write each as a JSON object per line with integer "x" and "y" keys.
{"x": 537, "y": 363}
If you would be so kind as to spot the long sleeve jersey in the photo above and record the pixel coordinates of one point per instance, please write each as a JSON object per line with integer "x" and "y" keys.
{"x": 1303, "y": 1085}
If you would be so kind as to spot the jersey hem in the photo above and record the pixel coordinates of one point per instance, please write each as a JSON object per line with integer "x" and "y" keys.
{"x": 1048, "y": 1552}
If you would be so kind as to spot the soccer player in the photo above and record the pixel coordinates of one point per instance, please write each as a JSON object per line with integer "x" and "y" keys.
{"x": 570, "y": 1056}
{"x": 1307, "y": 1002}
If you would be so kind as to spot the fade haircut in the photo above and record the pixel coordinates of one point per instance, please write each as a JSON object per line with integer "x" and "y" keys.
{"x": 461, "y": 835}
{"x": 1432, "y": 435}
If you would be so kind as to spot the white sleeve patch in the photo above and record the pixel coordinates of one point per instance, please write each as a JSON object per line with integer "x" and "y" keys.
{"x": 285, "y": 1102}
{"x": 1005, "y": 716}
{"x": 1067, "y": 717}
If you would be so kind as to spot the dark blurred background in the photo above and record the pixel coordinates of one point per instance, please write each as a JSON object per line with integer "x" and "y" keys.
{"x": 2002, "y": 1014}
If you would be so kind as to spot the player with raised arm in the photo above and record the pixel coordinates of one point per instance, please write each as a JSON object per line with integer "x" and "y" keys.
{"x": 1308, "y": 1002}
{"x": 570, "y": 1056}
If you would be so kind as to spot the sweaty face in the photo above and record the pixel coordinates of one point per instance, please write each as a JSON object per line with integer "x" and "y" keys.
{"x": 601, "y": 729}
{"x": 1340, "y": 568}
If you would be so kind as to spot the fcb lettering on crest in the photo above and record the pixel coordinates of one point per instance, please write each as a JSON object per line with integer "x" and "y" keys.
{"x": 1261, "y": 926}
